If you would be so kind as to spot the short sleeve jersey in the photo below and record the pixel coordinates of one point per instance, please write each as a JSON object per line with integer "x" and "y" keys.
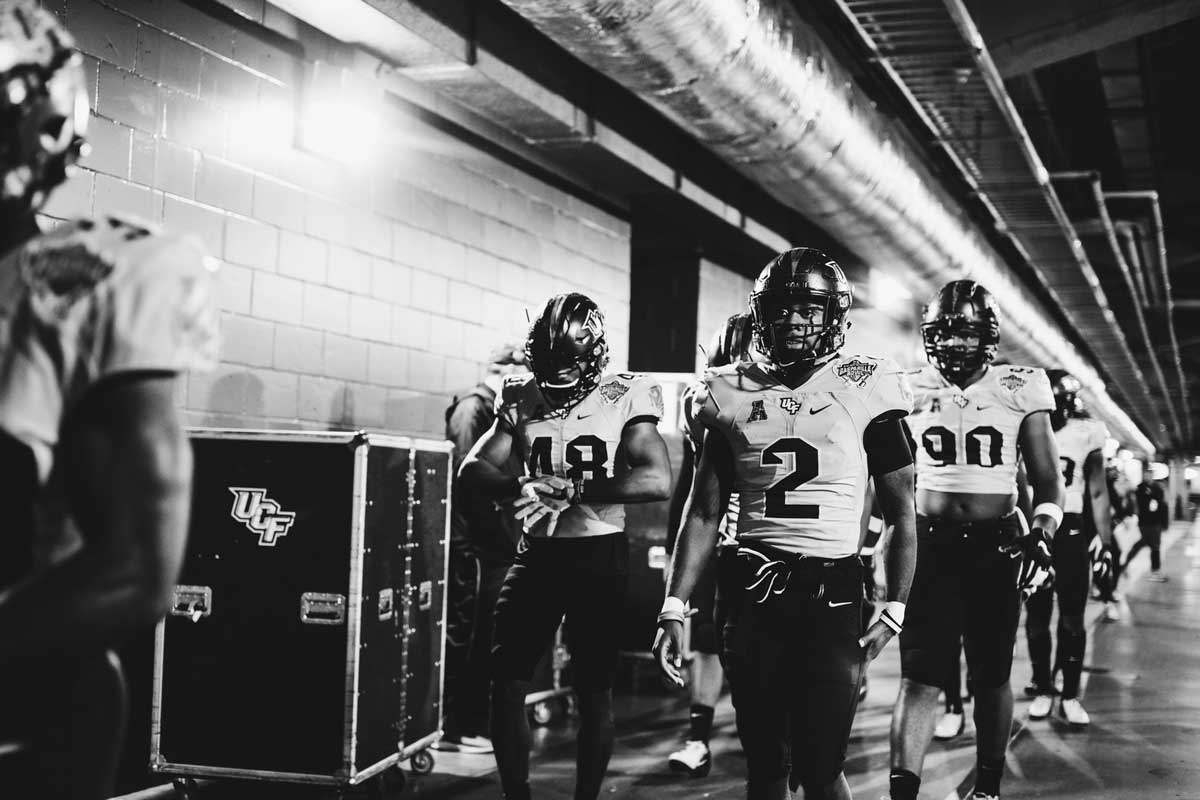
{"x": 800, "y": 467}
{"x": 1076, "y": 441}
{"x": 90, "y": 300}
{"x": 967, "y": 438}
{"x": 580, "y": 444}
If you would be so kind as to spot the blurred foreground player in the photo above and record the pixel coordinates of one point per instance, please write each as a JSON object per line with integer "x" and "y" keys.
{"x": 797, "y": 438}
{"x": 1081, "y": 554}
{"x": 590, "y": 444}
{"x": 97, "y": 319}
{"x": 972, "y": 422}
{"x": 730, "y": 345}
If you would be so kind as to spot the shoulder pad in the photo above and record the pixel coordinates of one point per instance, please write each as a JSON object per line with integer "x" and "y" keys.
{"x": 856, "y": 371}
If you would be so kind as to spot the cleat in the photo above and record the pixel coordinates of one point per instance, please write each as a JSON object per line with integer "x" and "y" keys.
{"x": 1157, "y": 576}
{"x": 694, "y": 758}
{"x": 1073, "y": 713}
{"x": 471, "y": 745}
{"x": 1112, "y": 613}
{"x": 950, "y": 726}
{"x": 982, "y": 796}
{"x": 1040, "y": 707}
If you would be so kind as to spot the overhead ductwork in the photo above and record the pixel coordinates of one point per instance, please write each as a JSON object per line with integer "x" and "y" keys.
{"x": 751, "y": 81}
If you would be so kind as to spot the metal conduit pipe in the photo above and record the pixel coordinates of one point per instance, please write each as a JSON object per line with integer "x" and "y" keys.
{"x": 751, "y": 81}
{"x": 1130, "y": 238}
{"x": 1106, "y": 223}
{"x": 1160, "y": 239}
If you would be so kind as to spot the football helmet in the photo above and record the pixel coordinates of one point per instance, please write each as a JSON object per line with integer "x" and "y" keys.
{"x": 961, "y": 310}
{"x": 1067, "y": 403}
{"x": 567, "y": 350}
{"x": 733, "y": 342}
{"x": 43, "y": 105}
{"x": 802, "y": 274}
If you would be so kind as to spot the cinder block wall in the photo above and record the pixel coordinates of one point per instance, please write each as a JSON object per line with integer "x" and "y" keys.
{"x": 351, "y": 296}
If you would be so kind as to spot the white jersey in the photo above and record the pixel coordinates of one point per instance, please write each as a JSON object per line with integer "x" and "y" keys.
{"x": 90, "y": 300}
{"x": 1076, "y": 441}
{"x": 580, "y": 444}
{"x": 967, "y": 438}
{"x": 799, "y": 463}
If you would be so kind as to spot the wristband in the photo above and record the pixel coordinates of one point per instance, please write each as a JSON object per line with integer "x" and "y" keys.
{"x": 1051, "y": 510}
{"x": 875, "y": 525}
{"x": 893, "y": 615}
{"x": 672, "y": 610}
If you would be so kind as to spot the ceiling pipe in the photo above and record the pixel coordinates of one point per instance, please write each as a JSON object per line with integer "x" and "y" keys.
{"x": 1130, "y": 234}
{"x": 754, "y": 83}
{"x": 1093, "y": 179}
{"x": 1160, "y": 239}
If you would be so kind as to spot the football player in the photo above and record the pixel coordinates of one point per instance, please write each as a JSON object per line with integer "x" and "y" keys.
{"x": 797, "y": 438}
{"x": 590, "y": 444}
{"x": 731, "y": 344}
{"x": 1081, "y": 454}
{"x": 971, "y": 422}
{"x": 97, "y": 320}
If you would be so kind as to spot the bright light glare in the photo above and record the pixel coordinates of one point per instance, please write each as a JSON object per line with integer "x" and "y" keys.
{"x": 342, "y": 122}
{"x": 1159, "y": 471}
{"x": 888, "y": 294}
{"x": 266, "y": 128}
{"x": 1111, "y": 446}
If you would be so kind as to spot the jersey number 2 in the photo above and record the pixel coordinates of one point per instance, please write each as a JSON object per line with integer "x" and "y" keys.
{"x": 804, "y": 468}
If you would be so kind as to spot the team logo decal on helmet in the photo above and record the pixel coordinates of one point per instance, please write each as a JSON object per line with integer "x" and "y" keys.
{"x": 43, "y": 103}
{"x": 802, "y": 274}
{"x": 962, "y": 310}
{"x": 567, "y": 349}
{"x": 855, "y": 371}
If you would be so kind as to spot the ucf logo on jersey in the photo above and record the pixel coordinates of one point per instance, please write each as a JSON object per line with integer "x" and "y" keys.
{"x": 967, "y": 438}
{"x": 800, "y": 472}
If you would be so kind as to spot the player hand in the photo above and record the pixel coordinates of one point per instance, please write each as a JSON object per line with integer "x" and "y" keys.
{"x": 668, "y": 651}
{"x": 1102, "y": 562}
{"x": 543, "y": 498}
{"x": 1036, "y": 562}
{"x": 875, "y": 639}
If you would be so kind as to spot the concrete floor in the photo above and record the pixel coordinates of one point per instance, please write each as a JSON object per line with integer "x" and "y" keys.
{"x": 1142, "y": 688}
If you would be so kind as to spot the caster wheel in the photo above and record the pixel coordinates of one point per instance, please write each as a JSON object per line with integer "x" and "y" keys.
{"x": 185, "y": 789}
{"x": 570, "y": 706}
{"x": 421, "y": 763}
{"x": 542, "y": 712}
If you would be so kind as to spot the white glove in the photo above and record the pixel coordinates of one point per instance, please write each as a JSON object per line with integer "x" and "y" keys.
{"x": 543, "y": 497}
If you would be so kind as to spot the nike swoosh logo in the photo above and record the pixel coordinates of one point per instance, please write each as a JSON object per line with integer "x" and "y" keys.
{"x": 982, "y": 408}
{"x": 1074, "y": 532}
{"x": 836, "y": 605}
{"x": 819, "y": 410}
{"x": 582, "y": 416}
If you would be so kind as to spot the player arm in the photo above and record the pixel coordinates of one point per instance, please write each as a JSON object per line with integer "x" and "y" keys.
{"x": 482, "y": 471}
{"x": 679, "y": 496}
{"x": 1024, "y": 496}
{"x": 1039, "y": 451}
{"x": 706, "y": 505}
{"x": 1097, "y": 495}
{"x": 648, "y": 477}
{"x": 890, "y": 462}
{"x": 127, "y": 468}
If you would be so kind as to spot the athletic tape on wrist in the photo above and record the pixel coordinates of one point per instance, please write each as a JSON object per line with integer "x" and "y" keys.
{"x": 893, "y": 615}
{"x": 1051, "y": 510}
{"x": 672, "y": 610}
